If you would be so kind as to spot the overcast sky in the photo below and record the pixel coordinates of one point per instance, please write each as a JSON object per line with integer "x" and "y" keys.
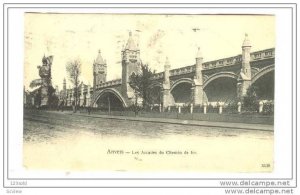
{"x": 71, "y": 36}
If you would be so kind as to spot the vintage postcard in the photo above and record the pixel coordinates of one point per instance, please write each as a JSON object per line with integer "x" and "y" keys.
{"x": 153, "y": 95}
{"x": 149, "y": 92}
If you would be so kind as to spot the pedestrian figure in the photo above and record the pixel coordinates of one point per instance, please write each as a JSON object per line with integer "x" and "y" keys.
{"x": 62, "y": 105}
{"x": 89, "y": 109}
{"x": 73, "y": 106}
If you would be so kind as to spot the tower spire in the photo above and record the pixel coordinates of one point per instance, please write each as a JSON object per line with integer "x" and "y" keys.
{"x": 244, "y": 80}
{"x": 99, "y": 59}
{"x": 166, "y": 85}
{"x": 99, "y": 70}
{"x": 246, "y": 42}
{"x": 198, "y": 79}
{"x": 199, "y": 53}
{"x": 130, "y": 64}
{"x": 130, "y": 45}
{"x": 167, "y": 63}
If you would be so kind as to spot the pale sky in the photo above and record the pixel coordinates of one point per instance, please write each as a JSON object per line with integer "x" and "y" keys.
{"x": 70, "y": 36}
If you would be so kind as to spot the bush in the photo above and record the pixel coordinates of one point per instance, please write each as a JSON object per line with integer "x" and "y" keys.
{"x": 250, "y": 101}
{"x": 185, "y": 109}
{"x": 268, "y": 108}
{"x": 232, "y": 107}
{"x": 212, "y": 109}
{"x": 134, "y": 108}
{"x": 173, "y": 109}
{"x": 198, "y": 109}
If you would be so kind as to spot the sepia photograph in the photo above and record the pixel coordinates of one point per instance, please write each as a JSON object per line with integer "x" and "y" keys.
{"x": 149, "y": 92}
{"x": 149, "y": 98}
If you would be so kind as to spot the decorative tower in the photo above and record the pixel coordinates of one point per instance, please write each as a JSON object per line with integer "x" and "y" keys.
{"x": 64, "y": 91}
{"x": 45, "y": 74}
{"x": 56, "y": 90}
{"x": 64, "y": 86}
{"x": 166, "y": 84}
{"x": 99, "y": 70}
{"x": 244, "y": 80}
{"x": 130, "y": 64}
{"x": 198, "y": 80}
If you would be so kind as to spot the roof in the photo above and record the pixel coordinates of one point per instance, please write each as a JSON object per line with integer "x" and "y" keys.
{"x": 246, "y": 42}
{"x": 99, "y": 59}
{"x": 199, "y": 53}
{"x": 130, "y": 45}
{"x": 167, "y": 63}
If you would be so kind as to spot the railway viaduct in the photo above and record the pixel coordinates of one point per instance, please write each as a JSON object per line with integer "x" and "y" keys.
{"x": 221, "y": 80}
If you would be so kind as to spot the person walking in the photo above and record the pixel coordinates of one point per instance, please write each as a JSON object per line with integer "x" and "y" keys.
{"x": 89, "y": 109}
{"x": 73, "y": 106}
{"x": 62, "y": 105}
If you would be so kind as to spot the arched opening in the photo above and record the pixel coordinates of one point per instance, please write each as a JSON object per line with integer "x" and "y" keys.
{"x": 155, "y": 95}
{"x": 221, "y": 89}
{"x": 109, "y": 100}
{"x": 182, "y": 93}
{"x": 264, "y": 86}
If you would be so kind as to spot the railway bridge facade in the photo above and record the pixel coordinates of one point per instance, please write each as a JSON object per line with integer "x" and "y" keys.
{"x": 222, "y": 80}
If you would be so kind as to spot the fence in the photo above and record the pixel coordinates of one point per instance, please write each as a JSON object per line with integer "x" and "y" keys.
{"x": 229, "y": 113}
{"x": 220, "y": 112}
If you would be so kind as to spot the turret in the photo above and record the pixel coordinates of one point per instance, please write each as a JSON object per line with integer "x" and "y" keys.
{"x": 64, "y": 84}
{"x": 131, "y": 51}
{"x": 246, "y": 47}
{"x": 199, "y": 61}
{"x": 198, "y": 92}
{"x": 56, "y": 90}
{"x": 244, "y": 79}
{"x": 130, "y": 64}
{"x": 167, "y": 71}
{"x": 99, "y": 70}
{"x": 166, "y": 85}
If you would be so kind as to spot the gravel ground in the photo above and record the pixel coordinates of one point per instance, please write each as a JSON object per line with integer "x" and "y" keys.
{"x": 62, "y": 141}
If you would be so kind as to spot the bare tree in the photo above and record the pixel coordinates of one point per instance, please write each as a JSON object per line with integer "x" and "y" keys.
{"x": 73, "y": 68}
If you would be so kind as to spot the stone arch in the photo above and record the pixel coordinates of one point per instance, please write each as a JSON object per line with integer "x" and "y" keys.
{"x": 110, "y": 90}
{"x": 183, "y": 80}
{"x": 254, "y": 70}
{"x": 262, "y": 72}
{"x": 221, "y": 87}
{"x": 155, "y": 92}
{"x": 263, "y": 83}
{"x": 219, "y": 75}
{"x": 181, "y": 91}
{"x": 205, "y": 77}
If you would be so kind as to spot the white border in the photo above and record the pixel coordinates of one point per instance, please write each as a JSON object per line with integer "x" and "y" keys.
{"x": 282, "y": 96}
